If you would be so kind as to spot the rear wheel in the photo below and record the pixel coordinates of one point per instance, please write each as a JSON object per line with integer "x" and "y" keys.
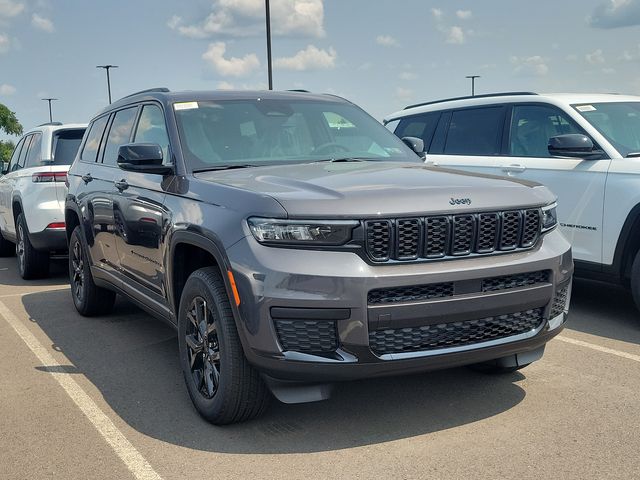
{"x": 7, "y": 248}
{"x": 223, "y": 386}
{"x": 89, "y": 299}
{"x": 32, "y": 263}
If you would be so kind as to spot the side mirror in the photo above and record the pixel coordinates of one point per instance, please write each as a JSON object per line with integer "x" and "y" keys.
{"x": 574, "y": 145}
{"x": 143, "y": 158}
{"x": 5, "y": 168}
{"x": 416, "y": 144}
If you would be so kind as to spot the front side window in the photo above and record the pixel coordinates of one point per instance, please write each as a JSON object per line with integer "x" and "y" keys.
{"x": 533, "y": 125}
{"x": 421, "y": 126}
{"x": 255, "y": 132}
{"x": 91, "y": 146}
{"x": 65, "y": 146}
{"x": 119, "y": 134}
{"x": 34, "y": 157}
{"x": 152, "y": 129}
{"x": 618, "y": 122}
{"x": 475, "y": 131}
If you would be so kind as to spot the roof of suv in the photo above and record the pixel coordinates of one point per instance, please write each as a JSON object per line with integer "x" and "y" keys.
{"x": 165, "y": 95}
{"x": 566, "y": 99}
{"x": 52, "y": 127}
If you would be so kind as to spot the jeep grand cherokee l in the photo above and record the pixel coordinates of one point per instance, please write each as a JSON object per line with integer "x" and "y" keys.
{"x": 293, "y": 241}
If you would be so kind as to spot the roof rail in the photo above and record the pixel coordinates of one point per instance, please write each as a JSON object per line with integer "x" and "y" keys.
{"x": 300, "y": 90}
{"x": 149, "y": 90}
{"x": 485, "y": 95}
{"x": 50, "y": 123}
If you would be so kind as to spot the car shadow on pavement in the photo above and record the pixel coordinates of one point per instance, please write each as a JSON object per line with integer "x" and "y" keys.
{"x": 604, "y": 310}
{"x": 9, "y": 276}
{"x": 132, "y": 359}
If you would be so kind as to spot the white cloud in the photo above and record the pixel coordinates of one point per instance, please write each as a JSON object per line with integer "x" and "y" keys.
{"x": 407, "y": 76}
{"x": 42, "y": 23}
{"x": 455, "y": 35}
{"x": 5, "y": 43}
{"x": 386, "y": 41}
{"x": 225, "y": 86}
{"x": 6, "y": 89}
{"x": 240, "y": 18}
{"x": 615, "y": 14}
{"x": 403, "y": 94}
{"x": 437, "y": 13}
{"x": 595, "y": 58}
{"x": 529, "y": 66}
{"x": 311, "y": 58}
{"x": 464, "y": 14}
{"x": 233, "y": 66}
{"x": 10, "y": 8}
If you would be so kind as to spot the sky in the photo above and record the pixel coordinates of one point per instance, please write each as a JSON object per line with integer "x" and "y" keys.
{"x": 380, "y": 54}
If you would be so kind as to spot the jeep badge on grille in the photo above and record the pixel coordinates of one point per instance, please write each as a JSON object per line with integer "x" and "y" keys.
{"x": 460, "y": 201}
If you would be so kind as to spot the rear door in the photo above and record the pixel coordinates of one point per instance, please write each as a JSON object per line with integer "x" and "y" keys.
{"x": 8, "y": 185}
{"x": 6, "y": 214}
{"x": 140, "y": 215}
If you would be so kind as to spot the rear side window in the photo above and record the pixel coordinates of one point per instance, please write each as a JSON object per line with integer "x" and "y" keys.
{"x": 422, "y": 126}
{"x": 65, "y": 146}
{"x": 119, "y": 134}
{"x": 34, "y": 157}
{"x": 475, "y": 131}
{"x": 91, "y": 146}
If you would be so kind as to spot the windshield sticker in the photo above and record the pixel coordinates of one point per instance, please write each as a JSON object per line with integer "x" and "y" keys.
{"x": 185, "y": 106}
{"x": 586, "y": 108}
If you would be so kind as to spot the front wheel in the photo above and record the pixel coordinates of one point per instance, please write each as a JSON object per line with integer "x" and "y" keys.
{"x": 223, "y": 386}
{"x": 89, "y": 299}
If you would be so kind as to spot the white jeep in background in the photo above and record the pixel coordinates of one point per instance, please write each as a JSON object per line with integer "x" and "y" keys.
{"x": 32, "y": 196}
{"x": 584, "y": 147}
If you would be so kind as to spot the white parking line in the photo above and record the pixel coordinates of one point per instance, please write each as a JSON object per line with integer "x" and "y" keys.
{"x": 132, "y": 458}
{"x": 592, "y": 346}
{"x": 10, "y": 295}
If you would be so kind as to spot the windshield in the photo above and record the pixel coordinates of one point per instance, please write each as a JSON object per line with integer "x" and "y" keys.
{"x": 618, "y": 122}
{"x": 65, "y": 146}
{"x": 267, "y": 132}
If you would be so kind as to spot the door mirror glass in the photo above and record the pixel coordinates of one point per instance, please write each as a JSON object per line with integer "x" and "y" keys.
{"x": 142, "y": 157}
{"x": 5, "y": 167}
{"x": 573, "y": 145}
{"x": 416, "y": 144}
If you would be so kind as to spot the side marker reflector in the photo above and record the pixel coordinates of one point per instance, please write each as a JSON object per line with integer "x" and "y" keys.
{"x": 234, "y": 289}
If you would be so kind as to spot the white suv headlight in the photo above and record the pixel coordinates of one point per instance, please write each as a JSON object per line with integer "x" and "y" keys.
{"x": 549, "y": 217}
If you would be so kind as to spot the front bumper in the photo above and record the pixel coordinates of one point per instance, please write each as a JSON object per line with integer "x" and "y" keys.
{"x": 329, "y": 293}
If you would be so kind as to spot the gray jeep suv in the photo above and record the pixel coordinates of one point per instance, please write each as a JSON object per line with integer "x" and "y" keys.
{"x": 293, "y": 241}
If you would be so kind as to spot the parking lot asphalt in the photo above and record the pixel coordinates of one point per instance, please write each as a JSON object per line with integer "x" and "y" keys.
{"x": 104, "y": 398}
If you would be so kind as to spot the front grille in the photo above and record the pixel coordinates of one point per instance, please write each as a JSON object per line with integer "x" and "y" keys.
{"x": 447, "y": 289}
{"x": 307, "y": 336}
{"x": 456, "y": 334}
{"x": 514, "y": 281}
{"x": 559, "y": 302}
{"x": 451, "y": 235}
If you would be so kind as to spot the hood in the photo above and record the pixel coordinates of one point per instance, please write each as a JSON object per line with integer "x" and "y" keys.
{"x": 372, "y": 189}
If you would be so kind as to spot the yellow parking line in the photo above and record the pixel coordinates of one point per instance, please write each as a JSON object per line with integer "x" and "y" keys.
{"x": 593, "y": 346}
{"x": 130, "y": 456}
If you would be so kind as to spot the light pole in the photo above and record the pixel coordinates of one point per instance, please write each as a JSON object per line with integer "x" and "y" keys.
{"x": 49, "y": 100}
{"x": 107, "y": 67}
{"x": 268, "y": 20}
{"x": 473, "y": 83}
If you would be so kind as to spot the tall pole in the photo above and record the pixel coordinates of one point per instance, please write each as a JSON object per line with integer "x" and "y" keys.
{"x": 50, "y": 100}
{"x": 268, "y": 20}
{"x": 473, "y": 83}
{"x": 107, "y": 67}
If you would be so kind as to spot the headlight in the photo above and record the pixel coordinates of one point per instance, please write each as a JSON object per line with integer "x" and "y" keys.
{"x": 549, "y": 217}
{"x": 301, "y": 232}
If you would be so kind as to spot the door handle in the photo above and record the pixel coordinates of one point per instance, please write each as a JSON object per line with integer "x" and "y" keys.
{"x": 86, "y": 178}
{"x": 121, "y": 184}
{"x": 514, "y": 167}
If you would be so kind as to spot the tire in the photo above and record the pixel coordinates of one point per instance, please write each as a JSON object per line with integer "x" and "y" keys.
{"x": 223, "y": 386}
{"x": 491, "y": 368}
{"x": 634, "y": 284}
{"x": 7, "y": 248}
{"x": 89, "y": 299}
{"x": 32, "y": 263}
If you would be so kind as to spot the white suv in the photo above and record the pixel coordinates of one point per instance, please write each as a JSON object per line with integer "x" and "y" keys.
{"x": 584, "y": 147}
{"x": 32, "y": 196}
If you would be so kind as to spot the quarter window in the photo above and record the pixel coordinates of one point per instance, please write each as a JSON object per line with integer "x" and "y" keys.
{"x": 152, "y": 129}
{"x": 533, "y": 125}
{"x": 119, "y": 134}
{"x": 91, "y": 146}
{"x": 23, "y": 154}
{"x": 16, "y": 154}
{"x": 475, "y": 131}
{"x": 34, "y": 157}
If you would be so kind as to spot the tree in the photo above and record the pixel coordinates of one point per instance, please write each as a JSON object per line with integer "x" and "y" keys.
{"x": 6, "y": 149}
{"x": 9, "y": 124}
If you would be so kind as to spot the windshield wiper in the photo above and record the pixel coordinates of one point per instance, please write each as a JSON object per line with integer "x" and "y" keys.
{"x": 223, "y": 167}
{"x": 345, "y": 159}
{"x": 633, "y": 154}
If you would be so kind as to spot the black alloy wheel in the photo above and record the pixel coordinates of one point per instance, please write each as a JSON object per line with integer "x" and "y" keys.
{"x": 203, "y": 347}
